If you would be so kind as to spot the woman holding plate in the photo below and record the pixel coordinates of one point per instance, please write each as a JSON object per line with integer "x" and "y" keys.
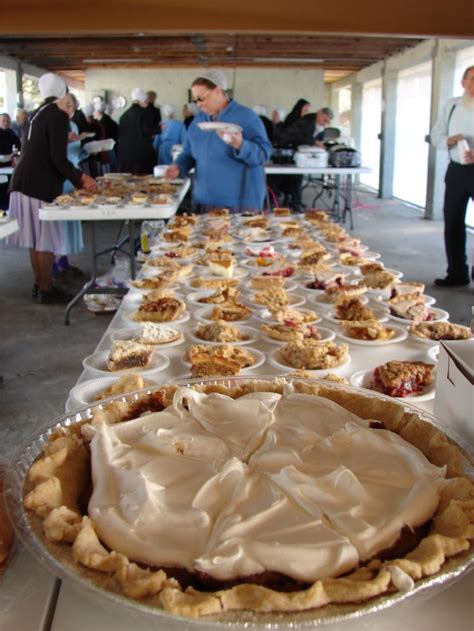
{"x": 227, "y": 145}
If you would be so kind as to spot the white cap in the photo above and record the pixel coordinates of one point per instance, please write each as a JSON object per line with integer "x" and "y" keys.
{"x": 88, "y": 110}
{"x": 139, "y": 94}
{"x": 260, "y": 110}
{"x": 51, "y": 84}
{"x": 169, "y": 110}
{"x": 216, "y": 77}
{"x": 281, "y": 113}
{"x": 100, "y": 106}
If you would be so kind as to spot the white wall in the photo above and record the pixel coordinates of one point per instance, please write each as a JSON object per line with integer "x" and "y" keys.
{"x": 272, "y": 87}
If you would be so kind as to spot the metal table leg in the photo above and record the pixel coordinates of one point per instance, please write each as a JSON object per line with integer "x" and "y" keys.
{"x": 90, "y": 282}
{"x": 348, "y": 204}
{"x": 131, "y": 233}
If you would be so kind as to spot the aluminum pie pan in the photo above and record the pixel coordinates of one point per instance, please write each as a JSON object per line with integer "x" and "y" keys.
{"x": 453, "y": 569}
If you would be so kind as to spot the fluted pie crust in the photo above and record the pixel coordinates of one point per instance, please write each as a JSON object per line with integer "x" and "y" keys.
{"x": 57, "y": 489}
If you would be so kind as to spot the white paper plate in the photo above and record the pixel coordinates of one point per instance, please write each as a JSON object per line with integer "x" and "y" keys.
{"x": 318, "y": 295}
{"x": 363, "y": 379}
{"x": 428, "y": 300}
{"x": 276, "y": 362}
{"x": 289, "y": 285}
{"x": 258, "y": 355}
{"x": 204, "y": 315}
{"x": 440, "y": 315}
{"x": 135, "y": 298}
{"x": 146, "y": 290}
{"x": 296, "y": 300}
{"x": 433, "y": 353}
{"x": 265, "y": 316}
{"x": 330, "y": 315}
{"x": 96, "y": 363}
{"x": 85, "y": 393}
{"x": 231, "y": 128}
{"x": 326, "y": 336}
{"x": 129, "y": 333}
{"x": 237, "y": 274}
{"x": 400, "y": 335}
{"x": 127, "y": 316}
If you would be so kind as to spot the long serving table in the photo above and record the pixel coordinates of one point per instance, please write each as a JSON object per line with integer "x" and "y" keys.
{"x": 129, "y": 213}
{"x": 338, "y": 173}
{"x": 68, "y": 609}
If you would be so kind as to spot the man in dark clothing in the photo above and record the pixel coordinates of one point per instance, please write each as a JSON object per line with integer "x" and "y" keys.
{"x": 155, "y": 112}
{"x": 136, "y": 131}
{"x": 307, "y": 130}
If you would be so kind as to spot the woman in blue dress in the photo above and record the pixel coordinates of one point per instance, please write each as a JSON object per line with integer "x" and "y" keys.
{"x": 173, "y": 133}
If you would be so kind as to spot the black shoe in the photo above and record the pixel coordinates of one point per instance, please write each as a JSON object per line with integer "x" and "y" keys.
{"x": 54, "y": 296}
{"x": 451, "y": 282}
{"x": 34, "y": 292}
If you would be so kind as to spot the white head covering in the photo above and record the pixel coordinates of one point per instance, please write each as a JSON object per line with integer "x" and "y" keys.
{"x": 139, "y": 94}
{"x": 88, "y": 110}
{"x": 100, "y": 106}
{"x": 260, "y": 110}
{"x": 216, "y": 77}
{"x": 169, "y": 110}
{"x": 192, "y": 108}
{"x": 281, "y": 113}
{"x": 51, "y": 84}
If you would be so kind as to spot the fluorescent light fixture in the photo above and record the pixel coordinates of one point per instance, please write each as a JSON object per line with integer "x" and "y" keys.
{"x": 115, "y": 60}
{"x": 289, "y": 60}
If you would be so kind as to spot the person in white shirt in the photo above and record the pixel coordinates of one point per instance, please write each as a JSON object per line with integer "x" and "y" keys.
{"x": 454, "y": 132}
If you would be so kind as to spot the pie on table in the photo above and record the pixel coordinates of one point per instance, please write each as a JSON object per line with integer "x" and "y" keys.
{"x": 126, "y": 383}
{"x": 402, "y": 378}
{"x": 289, "y": 331}
{"x": 255, "y": 540}
{"x": 440, "y": 331}
{"x": 208, "y": 361}
{"x": 312, "y": 354}
{"x": 128, "y": 354}
{"x": 370, "y": 330}
{"x": 348, "y": 308}
{"x": 164, "y": 309}
{"x": 409, "y": 307}
{"x": 221, "y": 331}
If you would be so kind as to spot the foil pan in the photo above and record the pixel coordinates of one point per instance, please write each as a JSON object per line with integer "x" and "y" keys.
{"x": 452, "y": 570}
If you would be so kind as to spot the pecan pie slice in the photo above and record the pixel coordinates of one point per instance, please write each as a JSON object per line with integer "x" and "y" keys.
{"x": 129, "y": 354}
{"x": 164, "y": 309}
{"x": 402, "y": 378}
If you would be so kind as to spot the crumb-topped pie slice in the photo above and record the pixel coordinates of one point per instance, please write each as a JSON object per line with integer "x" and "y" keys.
{"x": 314, "y": 355}
{"x": 351, "y": 308}
{"x": 402, "y": 378}
{"x": 370, "y": 330}
{"x": 231, "y": 312}
{"x": 220, "y": 331}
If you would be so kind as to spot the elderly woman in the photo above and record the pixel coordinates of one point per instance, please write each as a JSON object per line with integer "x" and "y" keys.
{"x": 173, "y": 133}
{"x": 228, "y": 166}
{"x": 39, "y": 177}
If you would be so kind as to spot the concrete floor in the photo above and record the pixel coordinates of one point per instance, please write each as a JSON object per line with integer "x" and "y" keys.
{"x": 40, "y": 358}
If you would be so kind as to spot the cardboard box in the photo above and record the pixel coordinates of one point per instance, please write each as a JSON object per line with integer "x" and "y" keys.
{"x": 454, "y": 396}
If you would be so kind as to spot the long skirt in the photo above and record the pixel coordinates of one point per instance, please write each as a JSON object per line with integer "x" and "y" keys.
{"x": 42, "y": 236}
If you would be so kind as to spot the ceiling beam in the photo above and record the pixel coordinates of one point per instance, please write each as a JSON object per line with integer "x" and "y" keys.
{"x": 425, "y": 18}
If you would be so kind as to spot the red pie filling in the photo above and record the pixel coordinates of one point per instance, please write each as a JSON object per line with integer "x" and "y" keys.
{"x": 403, "y": 389}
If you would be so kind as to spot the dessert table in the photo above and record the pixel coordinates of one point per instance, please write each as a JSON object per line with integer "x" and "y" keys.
{"x": 63, "y": 606}
{"x": 338, "y": 173}
{"x": 128, "y": 212}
